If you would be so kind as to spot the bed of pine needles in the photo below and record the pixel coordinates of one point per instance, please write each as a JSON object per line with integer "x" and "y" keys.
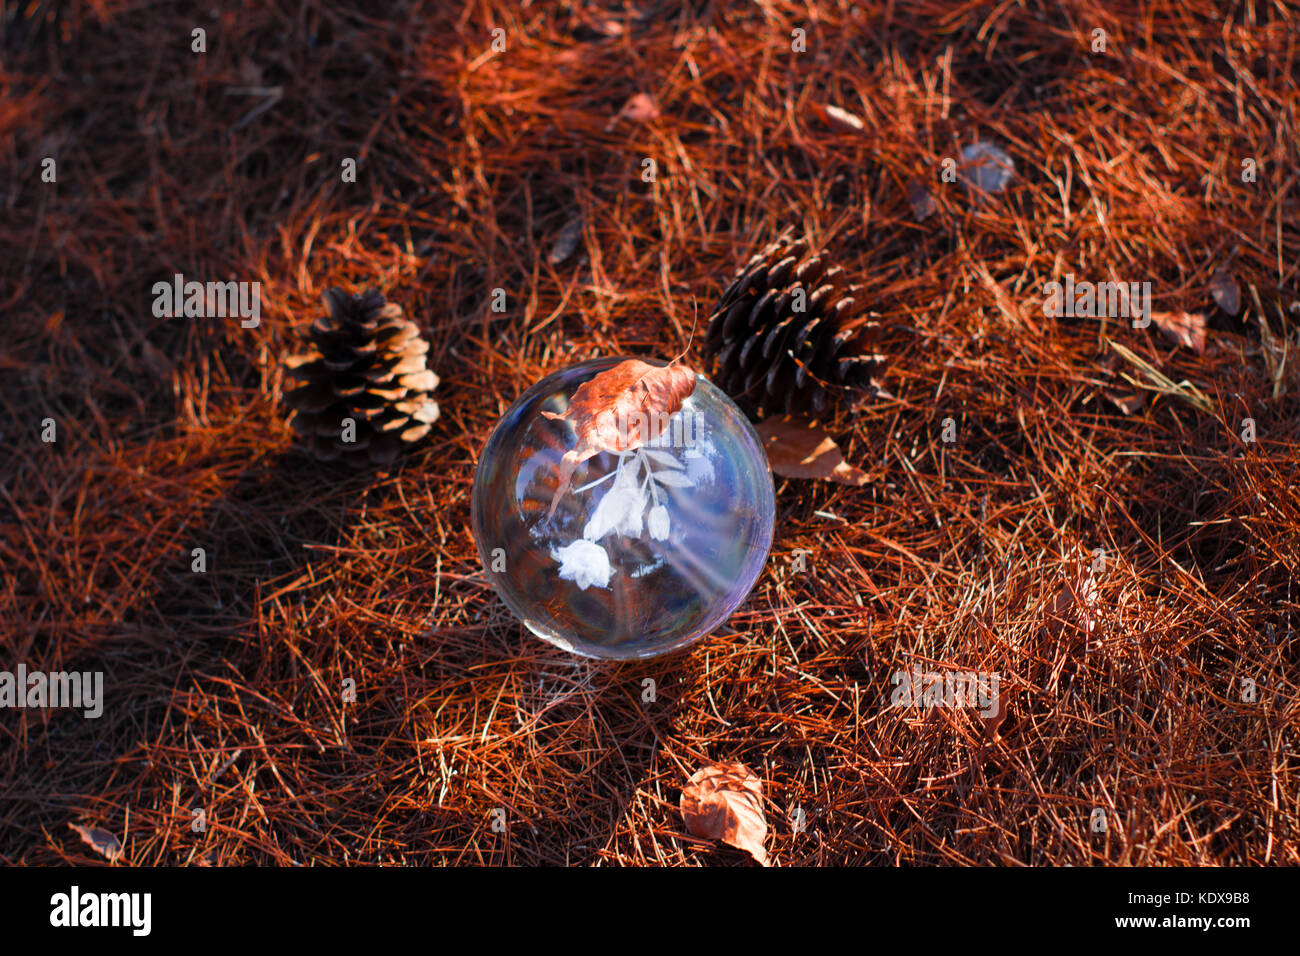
{"x": 1125, "y": 681}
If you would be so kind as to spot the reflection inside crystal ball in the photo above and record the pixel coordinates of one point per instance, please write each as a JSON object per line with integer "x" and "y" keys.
{"x": 644, "y": 551}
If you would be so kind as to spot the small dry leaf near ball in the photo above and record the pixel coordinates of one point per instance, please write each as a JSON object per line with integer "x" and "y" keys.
{"x": 725, "y": 802}
{"x": 798, "y": 448}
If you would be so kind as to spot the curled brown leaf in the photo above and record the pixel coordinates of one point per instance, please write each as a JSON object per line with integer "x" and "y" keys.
{"x": 1127, "y": 402}
{"x": 1184, "y": 328}
{"x": 1076, "y": 601}
{"x": 842, "y": 118}
{"x": 566, "y": 241}
{"x": 798, "y": 448}
{"x": 100, "y": 840}
{"x": 993, "y": 722}
{"x": 923, "y": 204}
{"x": 620, "y": 410}
{"x": 640, "y": 108}
{"x": 1226, "y": 293}
{"x": 725, "y": 802}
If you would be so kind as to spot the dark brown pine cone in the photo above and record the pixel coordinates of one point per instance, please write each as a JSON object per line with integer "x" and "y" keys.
{"x": 367, "y": 365}
{"x": 774, "y": 358}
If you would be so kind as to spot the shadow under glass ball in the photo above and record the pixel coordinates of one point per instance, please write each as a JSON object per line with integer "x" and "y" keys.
{"x": 646, "y": 552}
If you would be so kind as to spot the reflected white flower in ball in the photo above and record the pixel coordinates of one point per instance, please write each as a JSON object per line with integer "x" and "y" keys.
{"x": 584, "y": 564}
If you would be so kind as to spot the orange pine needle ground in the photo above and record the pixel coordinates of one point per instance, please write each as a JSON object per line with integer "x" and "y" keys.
{"x": 225, "y": 690}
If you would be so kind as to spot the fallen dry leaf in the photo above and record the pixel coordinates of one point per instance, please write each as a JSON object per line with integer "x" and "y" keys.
{"x": 566, "y": 241}
{"x": 1077, "y": 600}
{"x": 797, "y": 448}
{"x": 154, "y": 362}
{"x": 1224, "y": 289}
{"x": 1126, "y": 402}
{"x": 1055, "y": 618}
{"x": 100, "y": 840}
{"x": 640, "y": 108}
{"x": 923, "y": 204}
{"x": 842, "y": 118}
{"x": 986, "y": 169}
{"x": 619, "y": 410}
{"x": 993, "y": 722}
{"x": 1184, "y": 328}
{"x": 1127, "y": 399}
{"x": 605, "y": 26}
{"x": 725, "y": 802}
{"x": 1087, "y": 598}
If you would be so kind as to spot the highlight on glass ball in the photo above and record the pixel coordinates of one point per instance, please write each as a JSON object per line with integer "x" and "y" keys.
{"x": 623, "y": 508}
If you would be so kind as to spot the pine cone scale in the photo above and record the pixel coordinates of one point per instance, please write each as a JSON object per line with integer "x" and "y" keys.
{"x": 367, "y": 365}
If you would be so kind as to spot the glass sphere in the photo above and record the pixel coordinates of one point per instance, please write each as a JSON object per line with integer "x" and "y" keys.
{"x": 643, "y": 552}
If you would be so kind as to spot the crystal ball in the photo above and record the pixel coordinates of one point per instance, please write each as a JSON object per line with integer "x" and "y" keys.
{"x": 641, "y": 552}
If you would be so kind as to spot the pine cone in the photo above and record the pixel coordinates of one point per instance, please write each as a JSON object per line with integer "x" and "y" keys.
{"x": 775, "y": 359}
{"x": 367, "y": 365}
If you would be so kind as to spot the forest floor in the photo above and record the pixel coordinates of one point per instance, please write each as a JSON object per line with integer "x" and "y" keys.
{"x": 1105, "y": 516}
